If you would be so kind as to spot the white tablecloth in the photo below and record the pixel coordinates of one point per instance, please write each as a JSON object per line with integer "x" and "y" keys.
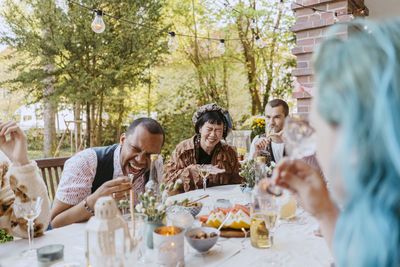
{"x": 295, "y": 243}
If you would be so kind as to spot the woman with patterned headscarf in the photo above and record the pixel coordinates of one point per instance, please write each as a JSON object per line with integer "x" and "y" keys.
{"x": 212, "y": 123}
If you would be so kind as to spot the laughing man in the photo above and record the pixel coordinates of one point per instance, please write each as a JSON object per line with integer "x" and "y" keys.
{"x": 103, "y": 171}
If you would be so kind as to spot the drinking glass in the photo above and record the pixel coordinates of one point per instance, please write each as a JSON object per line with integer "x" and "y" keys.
{"x": 137, "y": 233}
{"x": 299, "y": 138}
{"x": 29, "y": 211}
{"x": 270, "y": 211}
{"x": 204, "y": 171}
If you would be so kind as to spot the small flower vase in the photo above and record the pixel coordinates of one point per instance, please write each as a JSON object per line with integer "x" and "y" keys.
{"x": 246, "y": 188}
{"x": 149, "y": 229}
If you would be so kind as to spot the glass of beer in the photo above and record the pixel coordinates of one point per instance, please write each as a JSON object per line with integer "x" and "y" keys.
{"x": 264, "y": 217}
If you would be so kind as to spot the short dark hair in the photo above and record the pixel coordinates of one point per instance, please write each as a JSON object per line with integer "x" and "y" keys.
{"x": 279, "y": 102}
{"x": 211, "y": 117}
{"x": 151, "y": 125}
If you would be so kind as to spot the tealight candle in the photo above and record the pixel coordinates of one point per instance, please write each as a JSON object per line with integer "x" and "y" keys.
{"x": 49, "y": 255}
{"x": 168, "y": 244}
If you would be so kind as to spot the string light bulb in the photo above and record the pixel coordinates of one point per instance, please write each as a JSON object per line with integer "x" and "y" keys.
{"x": 259, "y": 42}
{"x": 316, "y": 11}
{"x": 98, "y": 25}
{"x": 221, "y": 46}
{"x": 281, "y": 2}
{"x": 253, "y": 24}
{"x": 172, "y": 43}
{"x": 335, "y": 18}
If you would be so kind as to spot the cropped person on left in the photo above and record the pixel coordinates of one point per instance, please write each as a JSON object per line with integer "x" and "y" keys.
{"x": 212, "y": 124}
{"x": 19, "y": 179}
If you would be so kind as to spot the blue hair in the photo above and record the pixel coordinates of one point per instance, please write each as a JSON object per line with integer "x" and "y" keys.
{"x": 359, "y": 91}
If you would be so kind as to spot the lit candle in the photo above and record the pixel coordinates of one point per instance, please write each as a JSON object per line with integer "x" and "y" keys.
{"x": 168, "y": 243}
{"x": 132, "y": 196}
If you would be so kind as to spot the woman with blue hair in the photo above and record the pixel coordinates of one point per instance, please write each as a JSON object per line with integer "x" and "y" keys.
{"x": 357, "y": 109}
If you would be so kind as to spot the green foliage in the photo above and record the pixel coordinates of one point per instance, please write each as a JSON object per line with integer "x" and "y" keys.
{"x": 177, "y": 123}
{"x": 4, "y": 237}
{"x": 248, "y": 171}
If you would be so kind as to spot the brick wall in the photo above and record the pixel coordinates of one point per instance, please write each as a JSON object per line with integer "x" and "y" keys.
{"x": 310, "y": 30}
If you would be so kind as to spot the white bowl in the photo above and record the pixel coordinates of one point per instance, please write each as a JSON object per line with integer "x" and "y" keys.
{"x": 202, "y": 245}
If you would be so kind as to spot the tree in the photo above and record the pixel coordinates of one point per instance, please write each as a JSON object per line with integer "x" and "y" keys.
{"x": 91, "y": 71}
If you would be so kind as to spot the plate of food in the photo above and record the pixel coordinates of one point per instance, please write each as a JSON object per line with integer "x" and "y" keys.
{"x": 236, "y": 223}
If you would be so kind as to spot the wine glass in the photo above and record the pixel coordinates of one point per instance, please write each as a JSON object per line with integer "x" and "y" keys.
{"x": 29, "y": 211}
{"x": 299, "y": 138}
{"x": 204, "y": 171}
{"x": 270, "y": 212}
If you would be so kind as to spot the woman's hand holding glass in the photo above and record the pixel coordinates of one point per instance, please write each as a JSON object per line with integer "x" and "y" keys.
{"x": 305, "y": 183}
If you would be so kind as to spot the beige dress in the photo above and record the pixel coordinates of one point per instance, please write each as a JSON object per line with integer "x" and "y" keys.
{"x": 23, "y": 183}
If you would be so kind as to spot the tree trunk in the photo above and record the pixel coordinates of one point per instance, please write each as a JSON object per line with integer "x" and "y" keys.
{"x": 93, "y": 124}
{"x": 49, "y": 105}
{"x": 99, "y": 136}
{"x": 77, "y": 125}
{"x": 88, "y": 124}
{"x": 251, "y": 69}
{"x": 149, "y": 97}
{"x": 270, "y": 60}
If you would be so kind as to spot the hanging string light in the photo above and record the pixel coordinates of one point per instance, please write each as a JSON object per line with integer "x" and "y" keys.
{"x": 98, "y": 25}
{"x": 259, "y": 42}
{"x": 281, "y": 5}
{"x": 253, "y": 24}
{"x": 221, "y": 46}
{"x": 335, "y": 18}
{"x": 172, "y": 43}
{"x": 316, "y": 11}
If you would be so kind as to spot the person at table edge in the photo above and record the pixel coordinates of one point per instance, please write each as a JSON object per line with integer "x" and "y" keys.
{"x": 272, "y": 147}
{"x": 212, "y": 123}
{"x": 102, "y": 171}
{"x": 19, "y": 181}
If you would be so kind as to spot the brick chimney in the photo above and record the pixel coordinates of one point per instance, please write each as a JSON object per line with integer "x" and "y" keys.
{"x": 310, "y": 29}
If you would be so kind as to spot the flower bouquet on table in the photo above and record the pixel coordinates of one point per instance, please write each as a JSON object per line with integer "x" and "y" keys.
{"x": 156, "y": 210}
{"x": 155, "y": 207}
{"x": 248, "y": 172}
{"x": 257, "y": 126}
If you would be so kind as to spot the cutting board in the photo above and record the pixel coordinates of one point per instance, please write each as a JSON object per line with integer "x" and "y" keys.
{"x": 228, "y": 232}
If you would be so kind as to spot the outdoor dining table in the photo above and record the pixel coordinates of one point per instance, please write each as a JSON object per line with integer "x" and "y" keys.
{"x": 294, "y": 243}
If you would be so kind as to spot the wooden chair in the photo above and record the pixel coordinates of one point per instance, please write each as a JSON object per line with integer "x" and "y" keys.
{"x": 51, "y": 169}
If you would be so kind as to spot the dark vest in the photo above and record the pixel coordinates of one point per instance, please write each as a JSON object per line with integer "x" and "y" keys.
{"x": 105, "y": 165}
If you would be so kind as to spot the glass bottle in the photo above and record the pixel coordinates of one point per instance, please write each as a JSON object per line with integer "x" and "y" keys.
{"x": 260, "y": 169}
{"x": 153, "y": 184}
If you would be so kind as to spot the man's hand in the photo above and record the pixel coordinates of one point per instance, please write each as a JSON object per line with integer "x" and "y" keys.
{"x": 117, "y": 188}
{"x": 276, "y": 137}
{"x": 261, "y": 144}
{"x": 15, "y": 147}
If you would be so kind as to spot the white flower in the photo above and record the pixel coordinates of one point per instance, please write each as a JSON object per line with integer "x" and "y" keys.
{"x": 273, "y": 164}
{"x": 164, "y": 196}
{"x": 139, "y": 206}
{"x": 169, "y": 202}
{"x": 142, "y": 210}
